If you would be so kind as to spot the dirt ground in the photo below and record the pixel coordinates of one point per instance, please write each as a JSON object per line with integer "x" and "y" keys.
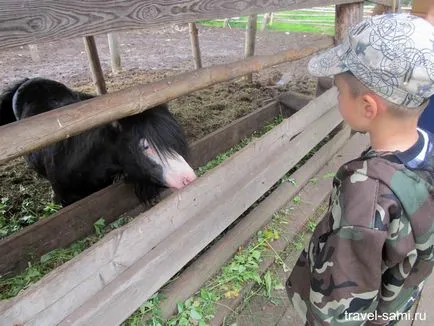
{"x": 150, "y": 55}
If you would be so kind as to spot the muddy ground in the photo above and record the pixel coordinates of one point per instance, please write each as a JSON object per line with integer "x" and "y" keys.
{"x": 151, "y": 55}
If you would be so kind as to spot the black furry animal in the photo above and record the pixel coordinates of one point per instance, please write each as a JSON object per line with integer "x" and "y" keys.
{"x": 148, "y": 149}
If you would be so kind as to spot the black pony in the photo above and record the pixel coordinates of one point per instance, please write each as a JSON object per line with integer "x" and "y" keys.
{"x": 148, "y": 149}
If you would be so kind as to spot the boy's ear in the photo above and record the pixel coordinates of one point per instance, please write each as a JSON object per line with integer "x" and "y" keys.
{"x": 371, "y": 105}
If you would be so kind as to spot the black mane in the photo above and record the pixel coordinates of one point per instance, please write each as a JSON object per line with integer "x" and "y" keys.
{"x": 92, "y": 160}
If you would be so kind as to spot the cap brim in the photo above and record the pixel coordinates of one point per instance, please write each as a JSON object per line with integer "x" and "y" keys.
{"x": 328, "y": 63}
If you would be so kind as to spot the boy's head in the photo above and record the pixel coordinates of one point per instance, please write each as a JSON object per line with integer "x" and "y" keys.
{"x": 383, "y": 68}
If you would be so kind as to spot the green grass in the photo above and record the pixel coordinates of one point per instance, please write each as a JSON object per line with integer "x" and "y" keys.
{"x": 234, "y": 275}
{"x": 11, "y": 221}
{"x": 281, "y": 23}
{"x": 13, "y": 285}
{"x": 243, "y": 268}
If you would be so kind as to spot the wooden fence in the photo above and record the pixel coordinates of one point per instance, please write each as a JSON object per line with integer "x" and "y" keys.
{"x": 107, "y": 282}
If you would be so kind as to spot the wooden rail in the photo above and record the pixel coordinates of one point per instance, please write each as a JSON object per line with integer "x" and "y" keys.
{"x": 207, "y": 206}
{"x": 76, "y": 221}
{"x": 209, "y": 263}
{"x": 33, "y": 133}
{"x": 33, "y": 21}
{"x": 346, "y": 16}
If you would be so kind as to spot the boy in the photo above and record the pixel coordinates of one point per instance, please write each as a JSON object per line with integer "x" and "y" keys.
{"x": 369, "y": 256}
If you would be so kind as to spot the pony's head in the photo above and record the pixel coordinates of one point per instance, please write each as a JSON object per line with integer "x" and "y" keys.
{"x": 154, "y": 152}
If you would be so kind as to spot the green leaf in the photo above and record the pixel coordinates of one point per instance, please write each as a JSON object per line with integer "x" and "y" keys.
{"x": 45, "y": 258}
{"x": 256, "y": 254}
{"x": 255, "y": 276}
{"x": 267, "y": 279}
{"x": 241, "y": 268}
{"x": 195, "y": 315}
{"x": 180, "y": 307}
{"x": 99, "y": 227}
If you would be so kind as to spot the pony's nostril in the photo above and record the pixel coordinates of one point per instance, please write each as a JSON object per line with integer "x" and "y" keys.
{"x": 188, "y": 180}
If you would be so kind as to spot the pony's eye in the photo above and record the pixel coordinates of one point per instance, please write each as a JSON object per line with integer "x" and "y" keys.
{"x": 144, "y": 144}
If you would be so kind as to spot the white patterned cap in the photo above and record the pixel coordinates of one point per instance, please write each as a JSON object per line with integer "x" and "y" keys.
{"x": 391, "y": 54}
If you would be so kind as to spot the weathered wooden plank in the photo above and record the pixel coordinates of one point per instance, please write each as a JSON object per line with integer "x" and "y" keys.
{"x": 195, "y": 48}
{"x": 347, "y": 15}
{"x": 78, "y": 280}
{"x": 294, "y": 100}
{"x": 32, "y": 21}
{"x": 224, "y": 138}
{"x": 249, "y": 45}
{"x": 63, "y": 228}
{"x": 119, "y": 298}
{"x": 311, "y": 197}
{"x": 95, "y": 65}
{"x": 210, "y": 262}
{"x": 114, "y": 52}
{"x": 33, "y": 133}
{"x": 76, "y": 221}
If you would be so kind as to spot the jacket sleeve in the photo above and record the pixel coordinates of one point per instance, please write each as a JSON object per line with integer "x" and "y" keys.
{"x": 337, "y": 280}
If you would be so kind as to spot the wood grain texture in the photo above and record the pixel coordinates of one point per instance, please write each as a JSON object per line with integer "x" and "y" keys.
{"x": 63, "y": 228}
{"x": 207, "y": 264}
{"x": 216, "y": 198}
{"x": 312, "y": 195}
{"x": 347, "y": 15}
{"x": 76, "y": 221}
{"x": 33, "y": 21}
{"x": 121, "y": 297}
{"x": 33, "y": 133}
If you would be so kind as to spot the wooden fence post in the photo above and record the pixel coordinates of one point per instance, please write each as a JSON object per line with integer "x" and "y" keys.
{"x": 34, "y": 52}
{"x": 396, "y": 5}
{"x": 249, "y": 49}
{"x": 95, "y": 65}
{"x": 195, "y": 49}
{"x": 347, "y": 15}
{"x": 50, "y": 127}
{"x": 265, "y": 21}
{"x": 114, "y": 52}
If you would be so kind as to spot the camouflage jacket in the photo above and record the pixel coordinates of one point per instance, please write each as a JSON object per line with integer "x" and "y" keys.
{"x": 374, "y": 247}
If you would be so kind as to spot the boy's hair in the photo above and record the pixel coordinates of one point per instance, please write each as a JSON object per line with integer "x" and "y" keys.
{"x": 357, "y": 88}
{"x": 390, "y": 54}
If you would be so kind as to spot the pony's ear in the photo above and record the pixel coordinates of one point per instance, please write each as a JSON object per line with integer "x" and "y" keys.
{"x": 116, "y": 125}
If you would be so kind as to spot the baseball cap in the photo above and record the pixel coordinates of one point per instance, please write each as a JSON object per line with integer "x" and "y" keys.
{"x": 391, "y": 54}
